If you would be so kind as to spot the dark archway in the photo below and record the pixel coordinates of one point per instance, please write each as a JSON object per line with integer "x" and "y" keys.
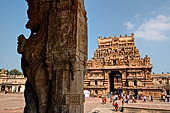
{"x": 115, "y": 80}
{"x": 3, "y": 88}
{"x": 167, "y": 91}
{"x": 111, "y": 79}
{"x": 135, "y": 92}
{"x": 19, "y": 88}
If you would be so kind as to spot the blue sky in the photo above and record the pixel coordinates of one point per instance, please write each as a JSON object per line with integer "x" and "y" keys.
{"x": 148, "y": 19}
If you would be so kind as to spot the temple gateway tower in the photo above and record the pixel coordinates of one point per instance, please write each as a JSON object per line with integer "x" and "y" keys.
{"x": 54, "y": 56}
{"x": 118, "y": 67}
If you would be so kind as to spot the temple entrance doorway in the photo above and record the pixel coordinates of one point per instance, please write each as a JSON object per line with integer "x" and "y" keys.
{"x": 167, "y": 92}
{"x": 19, "y": 88}
{"x": 3, "y": 88}
{"x": 111, "y": 79}
{"x": 115, "y": 80}
{"x": 135, "y": 92}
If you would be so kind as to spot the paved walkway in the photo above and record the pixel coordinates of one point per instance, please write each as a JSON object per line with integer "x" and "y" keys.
{"x": 108, "y": 108}
{"x": 11, "y": 103}
{"x": 91, "y": 103}
{"x": 14, "y": 103}
{"x": 150, "y": 105}
{"x": 104, "y": 108}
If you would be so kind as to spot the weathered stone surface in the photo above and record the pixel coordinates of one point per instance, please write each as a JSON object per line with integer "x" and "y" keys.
{"x": 54, "y": 56}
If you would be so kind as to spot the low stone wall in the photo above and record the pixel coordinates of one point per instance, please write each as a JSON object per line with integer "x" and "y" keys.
{"x": 143, "y": 110}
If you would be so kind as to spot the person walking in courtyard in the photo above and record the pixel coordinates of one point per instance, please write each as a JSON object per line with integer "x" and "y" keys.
{"x": 127, "y": 98}
{"x": 113, "y": 105}
{"x": 109, "y": 95}
{"x": 167, "y": 98}
{"x": 104, "y": 100}
{"x": 133, "y": 99}
{"x": 144, "y": 98}
{"x": 116, "y": 106}
{"x": 163, "y": 97}
{"x": 151, "y": 99}
{"x": 111, "y": 98}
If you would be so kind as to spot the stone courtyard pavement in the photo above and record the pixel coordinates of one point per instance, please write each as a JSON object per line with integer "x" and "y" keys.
{"x": 11, "y": 103}
{"x": 108, "y": 108}
{"x": 14, "y": 103}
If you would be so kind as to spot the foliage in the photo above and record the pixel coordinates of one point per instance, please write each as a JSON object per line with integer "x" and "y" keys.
{"x": 15, "y": 72}
{"x": 8, "y": 72}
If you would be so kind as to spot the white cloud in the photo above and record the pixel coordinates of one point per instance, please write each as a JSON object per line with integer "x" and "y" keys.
{"x": 129, "y": 25}
{"x": 156, "y": 28}
{"x": 137, "y": 16}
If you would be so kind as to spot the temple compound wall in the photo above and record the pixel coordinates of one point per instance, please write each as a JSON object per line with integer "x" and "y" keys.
{"x": 162, "y": 81}
{"x": 11, "y": 83}
{"x": 117, "y": 66}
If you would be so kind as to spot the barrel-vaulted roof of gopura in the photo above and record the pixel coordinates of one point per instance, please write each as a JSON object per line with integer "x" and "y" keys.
{"x": 118, "y": 52}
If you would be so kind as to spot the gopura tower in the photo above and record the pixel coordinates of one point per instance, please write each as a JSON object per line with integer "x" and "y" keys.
{"x": 117, "y": 66}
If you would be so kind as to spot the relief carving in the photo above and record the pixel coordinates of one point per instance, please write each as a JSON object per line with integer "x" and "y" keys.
{"x": 50, "y": 56}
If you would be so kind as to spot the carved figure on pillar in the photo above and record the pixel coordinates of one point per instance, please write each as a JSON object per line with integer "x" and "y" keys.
{"x": 54, "y": 56}
{"x": 33, "y": 57}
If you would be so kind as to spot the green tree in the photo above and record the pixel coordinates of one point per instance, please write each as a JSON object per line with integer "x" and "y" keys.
{"x": 15, "y": 72}
{"x": 8, "y": 73}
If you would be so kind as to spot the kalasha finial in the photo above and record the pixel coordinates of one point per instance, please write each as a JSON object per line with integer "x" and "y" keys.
{"x": 125, "y": 35}
{"x": 110, "y": 36}
{"x": 115, "y": 36}
{"x": 105, "y": 37}
{"x": 132, "y": 34}
{"x": 120, "y": 35}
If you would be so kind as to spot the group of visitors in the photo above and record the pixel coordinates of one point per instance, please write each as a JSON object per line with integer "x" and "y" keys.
{"x": 114, "y": 97}
{"x": 165, "y": 98}
{"x": 150, "y": 98}
{"x": 125, "y": 98}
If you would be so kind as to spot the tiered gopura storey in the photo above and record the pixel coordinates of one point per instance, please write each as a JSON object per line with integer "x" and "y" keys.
{"x": 117, "y": 66}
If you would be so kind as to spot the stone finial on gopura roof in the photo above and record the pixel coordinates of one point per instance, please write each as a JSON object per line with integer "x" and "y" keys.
{"x": 115, "y": 36}
{"x": 132, "y": 35}
{"x": 126, "y": 35}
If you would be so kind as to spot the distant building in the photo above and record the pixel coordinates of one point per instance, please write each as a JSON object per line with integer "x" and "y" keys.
{"x": 11, "y": 83}
{"x": 162, "y": 81}
{"x": 118, "y": 67}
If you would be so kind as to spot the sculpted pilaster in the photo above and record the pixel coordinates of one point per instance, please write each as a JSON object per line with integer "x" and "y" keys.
{"x": 54, "y": 56}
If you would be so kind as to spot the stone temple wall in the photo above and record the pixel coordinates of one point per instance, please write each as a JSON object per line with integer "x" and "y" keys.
{"x": 117, "y": 66}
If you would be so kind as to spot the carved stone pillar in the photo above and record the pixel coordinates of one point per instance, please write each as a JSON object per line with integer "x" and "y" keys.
{"x": 108, "y": 82}
{"x": 54, "y": 56}
{"x": 124, "y": 77}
